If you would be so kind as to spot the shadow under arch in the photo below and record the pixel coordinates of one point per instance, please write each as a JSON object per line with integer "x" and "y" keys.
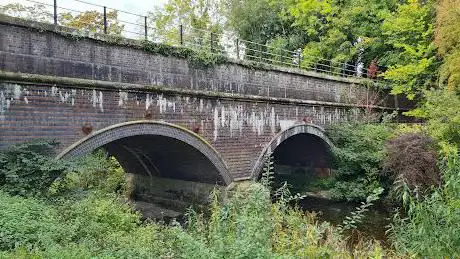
{"x": 309, "y": 132}
{"x": 156, "y": 149}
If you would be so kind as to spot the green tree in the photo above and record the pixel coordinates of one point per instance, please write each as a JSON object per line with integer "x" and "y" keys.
{"x": 346, "y": 32}
{"x": 264, "y": 30}
{"x": 412, "y": 62}
{"x": 262, "y": 21}
{"x": 37, "y": 12}
{"x": 441, "y": 111}
{"x": 90, "y": 20}
{"x": 448, "y": 42}
{"x": 198, "y": 17}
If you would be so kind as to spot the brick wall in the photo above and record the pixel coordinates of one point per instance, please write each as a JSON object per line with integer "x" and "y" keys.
{"x": 112, "y": 84}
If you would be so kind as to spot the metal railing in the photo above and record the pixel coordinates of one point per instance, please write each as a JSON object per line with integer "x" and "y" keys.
{"x": 130, "y": 25}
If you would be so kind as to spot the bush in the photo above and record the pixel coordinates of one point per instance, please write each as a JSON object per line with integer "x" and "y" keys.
{"x": 412, "y": 159}
{"x": 442, "y": 113}
{"x": 358, "y": 154}
{"x": 431, "y": 228}
{"x": 92, "y": 172}
{"x": 29, "y": 223}
{"x": 97, "y": 223}
{"x": 29, "y": 169}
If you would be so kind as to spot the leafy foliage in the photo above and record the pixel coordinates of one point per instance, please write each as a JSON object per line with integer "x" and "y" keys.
{"x": 29, "y": 223}
{"x": 441, "y": 111}
{"x": 92, "y": 21}
{"x": 198, "y": 59}
{"x": 359, "y": 153}
{"x": 97, "y": 223}
{"x": 28, "y": 170}
{"x": 448, "y": 42}
{"x": 37, "y": 12}
{"x": 95, "y": 172}
{"x": 409, "y": 31}
{"x": 197, "y": 17}
{"x": 431, "y": 228}
{"x": 394, "y": 37}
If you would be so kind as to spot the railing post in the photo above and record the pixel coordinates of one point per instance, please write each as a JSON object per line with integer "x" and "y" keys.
{"x": 299, "y": 59}
{"x": 281, "y": 56}
{"x": 55, "y": 12}
{"x": 237, "y": 48}
{"x": 145, "y": 27}
{"x": 260, "y": 53}
{"x": 181, "y": 32}
{"x": 105, "y": 20}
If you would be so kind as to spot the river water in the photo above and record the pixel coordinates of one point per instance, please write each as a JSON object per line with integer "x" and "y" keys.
{"x": 373, "y": 226}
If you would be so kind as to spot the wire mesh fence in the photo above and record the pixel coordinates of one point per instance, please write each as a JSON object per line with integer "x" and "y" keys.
{"x": 90, "y": 17}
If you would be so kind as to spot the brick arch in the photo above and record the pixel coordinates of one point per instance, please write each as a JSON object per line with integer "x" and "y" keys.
{"x": 279, "y": 138}
{"x": 126, "y": 130}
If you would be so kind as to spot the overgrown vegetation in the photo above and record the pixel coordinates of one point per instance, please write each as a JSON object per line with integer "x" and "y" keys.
{"x": 27, "y": 170}
{"x": 84, "y": 214}
{"x": 51, "y": 209}
{"x": 411, "y": 161}
{"x": 431, "y": 228}
{"x": 359, "y": 152}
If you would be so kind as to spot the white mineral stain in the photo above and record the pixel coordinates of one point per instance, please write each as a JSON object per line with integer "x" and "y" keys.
{"x": 74, "y": 93}
{"x": 3, "y": 105}
{"x": 164, "y": 104}
{"x": 122, "y": 98}
{"x": 17, "y": 92}
{"x": 235, "y": 117}
{"x": 273, "y": 120}
{"x": 148, "y": 101}
{"x": 216, "y": 123}
{"x": 63, "y": 97}
{"x": 222, "y": 116}
{"x": 98, "y": 100}
{"x": 54, "y": 91}
{"x": 101, "y": 100}
{"x": 285, "y": 124}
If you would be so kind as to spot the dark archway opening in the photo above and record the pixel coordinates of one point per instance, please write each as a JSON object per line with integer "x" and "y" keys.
{"x": 168, "y": 168}
{"x": 165, "y": 157}
{"x": 166, "y": 175}
{"x": 304, "y": 162}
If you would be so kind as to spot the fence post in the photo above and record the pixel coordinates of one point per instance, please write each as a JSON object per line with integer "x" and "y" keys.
{"x": 105, "y": 20}
{"x": 181, "y": 32}
{"x": 55, "y": 12}
{"x": 260, "y": 53}
{"x": 299, "y": 59}
{"x": 281, "y": 56}
{"x": 145, "y": 27}
{"x": 237, "y": 48}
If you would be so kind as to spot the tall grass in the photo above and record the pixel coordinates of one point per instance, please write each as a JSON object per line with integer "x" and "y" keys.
{"x": 432, "y": 227}
{"x": 70, "y": 222}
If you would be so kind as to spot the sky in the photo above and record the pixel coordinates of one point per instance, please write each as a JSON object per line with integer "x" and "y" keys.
{"x": 134, "y": 6}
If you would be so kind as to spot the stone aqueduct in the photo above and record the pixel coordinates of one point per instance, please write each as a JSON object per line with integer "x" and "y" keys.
{"x": 159, "y": 114}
